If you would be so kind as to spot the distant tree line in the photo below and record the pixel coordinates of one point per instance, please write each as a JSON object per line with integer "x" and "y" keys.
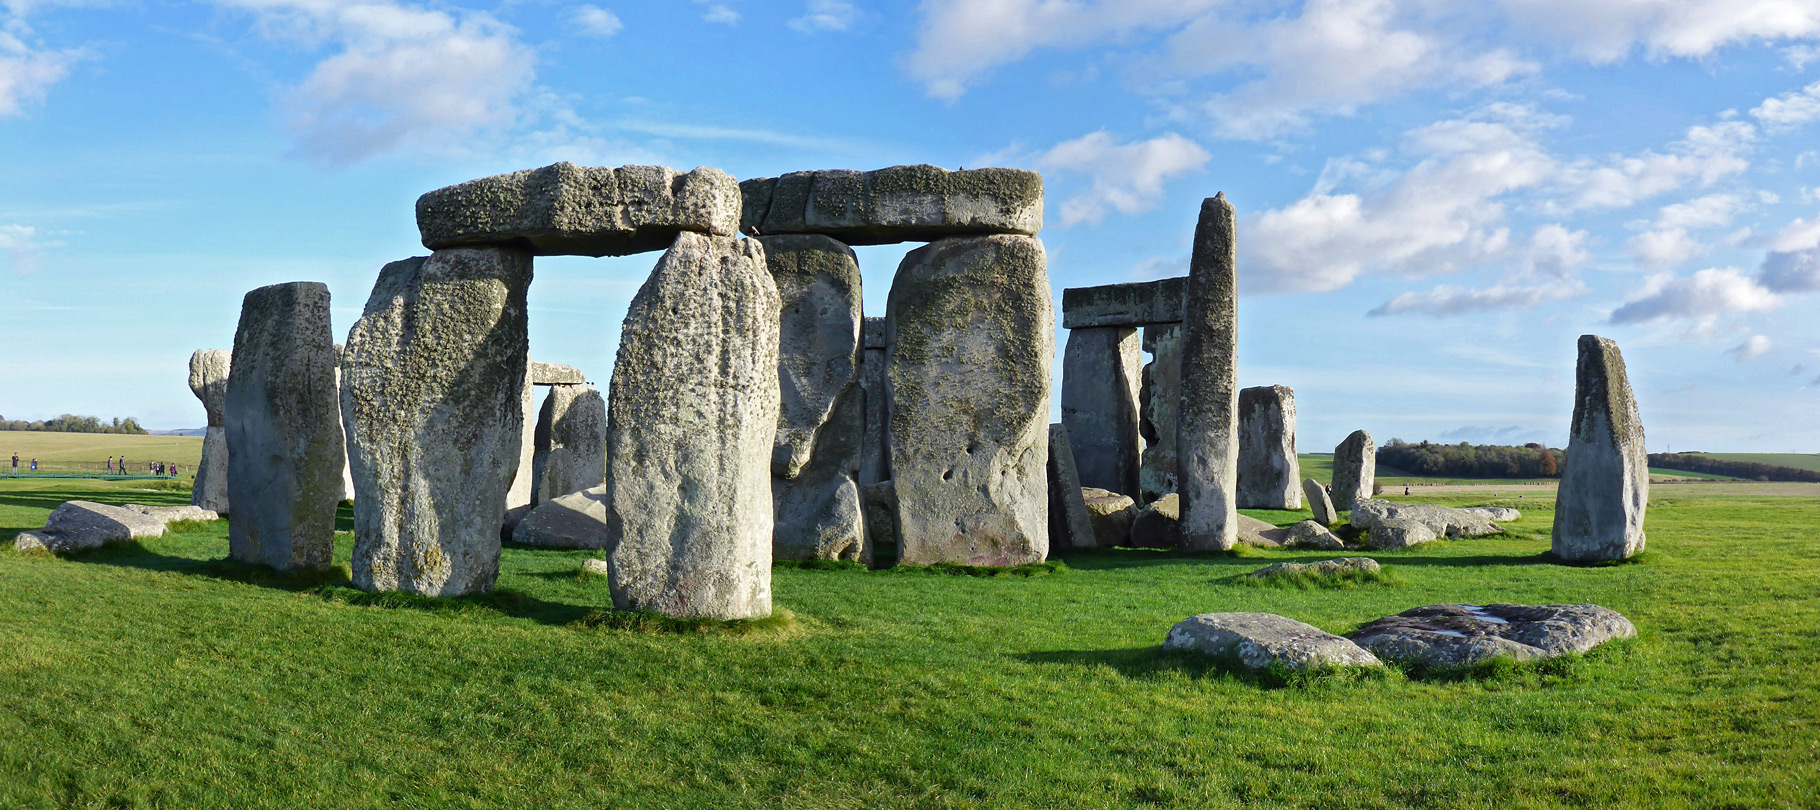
{"x": 1749, "y": 470}
{"x": 71, "y": 423}
{"x": 1466, "y": 460}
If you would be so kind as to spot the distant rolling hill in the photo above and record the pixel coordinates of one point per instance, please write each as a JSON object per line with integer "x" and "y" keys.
{"x": 183, "y": 432}
{"x": 1801, "y": 461}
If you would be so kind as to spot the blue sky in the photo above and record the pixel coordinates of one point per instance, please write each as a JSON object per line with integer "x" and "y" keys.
{"x": 1435, "y": 201}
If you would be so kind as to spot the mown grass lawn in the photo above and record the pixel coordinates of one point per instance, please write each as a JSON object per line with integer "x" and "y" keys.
{"x": 154, "y": 676}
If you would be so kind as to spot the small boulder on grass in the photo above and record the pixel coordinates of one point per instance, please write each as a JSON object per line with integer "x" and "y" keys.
{"x": 1311, "y": 534}
{"x": 1453, "y": 636}
{"x": 1395, "y": 533}
{"x": 1259, "y": 641}
{"x": 1111, "y": 515}
{"x": 1158, "y": 524}
{"x": 81, "y": 525}
{"x": 594, "y": 567}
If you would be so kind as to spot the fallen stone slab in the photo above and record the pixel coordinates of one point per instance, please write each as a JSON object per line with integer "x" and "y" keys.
{"x": 1259, "y": 641}
{"x": 1395, "y": 533}
{"x": 900, "y": 204}
{"x": 1499, "y": 514}
{"x": 1111, "y": 515}
{"x": 1604, "y": 489}
{"x": 1444, "y": 521}
{"x": 1452, "y": 636}
{"x": 575, "y": 520}
{"x": 1139, "y": 303}
{"x": 82, "y": 525}
{"x": 1260, "y": 533}
{"x": 174, "y": 514}
{"x": 1319, "y": 503}
{"x": 542, "y": 373}
{"x": 1338, "y": 566}
{"x": 1311, "y": 534}
{"x": 570, "y": 210}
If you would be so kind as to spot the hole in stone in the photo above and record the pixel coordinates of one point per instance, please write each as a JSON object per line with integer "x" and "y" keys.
{"x": 947, "y": 475}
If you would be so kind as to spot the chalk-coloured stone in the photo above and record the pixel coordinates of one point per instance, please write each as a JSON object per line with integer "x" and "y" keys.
{"x": 874, "y": 460}
{"x": 571, "y": 442}
{"x": 1139, "y": 303}
{"x": 521, "y": 495}
{"x": 1444, "y": 521}
{"x": 1161, "y": 403}
{"x": 1259, "y": 641}
{"x": 285, "y": 451}
{"x": 1269, "y": 473}
{"x": 82, "y": 525}
{"x": 433, "y": 393}
{"x": 1355, "y": 469}
{"x": 542, "y": 373}
{"x": 167, "y": 515}
{"x": 1451, "y": 636}
{"x": 1395, "y": 533}
{"x": 347, "y": 468}
{"x": 1111, "y": 514}
{"x": 819, "y": 514}
{"x": 209, "y": 370}
{"x": 1311, "y": 534}
{"x": 1496, "y": 513}
{"x": 574, "y": 520}
{"x": 1207, "y": 446}
{"x": 1102, "y": 369}
{"x": 1319, "y": 503}
{"x": 691, "y": 421}
{"x": 1605, "y": 478}
{"x": 899, "y": 204}
{"x": 1070, "y": 526}
{"x": 971, "y": 334}
{"x": 570, "y": 210}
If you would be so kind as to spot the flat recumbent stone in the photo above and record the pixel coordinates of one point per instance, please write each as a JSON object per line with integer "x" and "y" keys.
{"x": 570, "y": 210}
{"x": 1260, "y": 640}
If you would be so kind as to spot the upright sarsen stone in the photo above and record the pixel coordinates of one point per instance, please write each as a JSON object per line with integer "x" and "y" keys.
{"x": 1207, "y": 447}
{"x": 208, "y": 380}
{"x": 1070, "y": 525}
{"x": 1269, "y": 473}
{"x": 1161, "y": 403}
{"x": 520, "y": 494}
{"x": 571, "y": 442}
{"x": 1605, "y": 477}
{"x": 1355, "y": 469}
{"x": 433, "y": 395}
{"x": 285, "y": 449}
{"x": 970, "y": 329}
{"x": 691, "y": 421}
{"x": 1102, "y": 370}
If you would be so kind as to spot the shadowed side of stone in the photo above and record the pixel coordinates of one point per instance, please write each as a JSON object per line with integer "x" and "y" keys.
{"x": 1318, "y": 502}
{"x": 1070, "y": 526}
{"x": 1102, "y": 370}
{"x": 571, "y": 442}
{"x": 1604, "y": 488}
{"x": 570, "y": 210}
{"x": 1452, "y": 636}
{"x": 575, "y": 520}
{"x": 1268, "y": 469}
{"x": 899, "y": 204}
{"x": 1161, "y": 402}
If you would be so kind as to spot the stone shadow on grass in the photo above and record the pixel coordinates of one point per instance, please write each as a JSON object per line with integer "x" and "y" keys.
{"x": 1145, "y": 663}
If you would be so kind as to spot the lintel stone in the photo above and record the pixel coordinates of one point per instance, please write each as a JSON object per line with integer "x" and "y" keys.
{"x": 1140, "y": 303}
{"x": 900, "y": 204}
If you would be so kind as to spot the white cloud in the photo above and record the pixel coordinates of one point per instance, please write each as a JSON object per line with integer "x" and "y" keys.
{"x": 1446, "y": 300}
{"x": 1710, "y": 211}
{"x": 23, "y": 245}
{"x": 404, "y": 75}
{"x": 720, "y": 14}
{"x": 1556, "y": 252}
{"x": 27, "y": 71}
{"x": 1609, "y": 31}
{"x": 826, "y": 15}
{"x": 1791, "y": 271}
{"x": 1789, "y": 110}
{"x": 1706, "y": 155}
{"x": 1126, "y": 177}
{"x": 596, "y": 21}
{"x": 1799, "y": 56}
{"x": 1664, "y": 248}
{"x": 1751, "y": 349}
{"x": 1701, "y": 297}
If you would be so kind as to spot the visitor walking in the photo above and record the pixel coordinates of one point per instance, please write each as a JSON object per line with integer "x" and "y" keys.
{"x": 123, "y": 464}
{"x": 34, "y": 465}
{"x": 15, "y": 465}
{"x": 110, "y": 465}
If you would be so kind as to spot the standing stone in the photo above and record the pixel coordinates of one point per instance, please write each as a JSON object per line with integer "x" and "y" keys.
{"x": 1355, "y": 469}
{"x": 1070, "y": 526}
{"x": 1102, "y": 369}
{"x": 1605, "y": 477}
{"x": 1319, "y": 503}
{"x": 1207, "y": 447}
{"x": 1162, "y": 402}
{"x": 520, "y": 496}
{"x": 1269, "y": 472}
{"x": 208, "y": 380}
{"x": 432, "y": 393}
{"x": 285, "y": 449}
{"x": 881, "y": 521}
{"x": 347, "y": 467}
{"x": 874, "y": 461}
{"x": 571, "y": 442}
{"x": 691, "y": 422}
{"x": 821, "y": 417}
{"x": 971, "y": 334}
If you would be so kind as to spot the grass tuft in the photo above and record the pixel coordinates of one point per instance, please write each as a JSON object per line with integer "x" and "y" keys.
{"x": 780, "y": 622}
{"x": 1310, "y": 580}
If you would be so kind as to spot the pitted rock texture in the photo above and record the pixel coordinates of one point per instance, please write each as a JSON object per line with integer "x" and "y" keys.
{"x": 575, "y": 520}
{"x": 570, "y": 210}
{"x": 1394, "y": 533}
{"x": 1070, "y": 526}
{"x": 691, "y": 421}
{"x": 542, "y": 373}
{"x": 1319, "y": 503}
{"x": 1604, "y": 488}
{"x": 1333, "y": 567}
{"x": 1102, "y": 370}
{"x": 571, "y": 442}
{"x": 1355, "y": 469}
{"x": 1268, "y": 470}
{"x": 1139, "y": 303}
{"x": 1207, "y": 441}
{"x": 971, "y": 334}
{"x": 900, "y": 204}
{"x": 209, "y": 369}
{"x": 433, "y": 386}
{"x": 1444, "y": 521}
{"x": 819, "y": 514}
{"x": 1160, "y": 402}
{"x": 1259, "y": 641}
{"x": 1452, "y": 636}
{"x": 1311, "y": 534}
{"x": 284, "y": 435}
{"x": 82, "y": 525}
{"x": 210, "y": 490}
{"x": 1112, "y": 515}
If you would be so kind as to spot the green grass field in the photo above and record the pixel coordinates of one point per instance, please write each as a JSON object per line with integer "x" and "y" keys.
{"x": 1801, "y": 461}
{"x": 185, "y": 451}
{"x": 155, "y": 675}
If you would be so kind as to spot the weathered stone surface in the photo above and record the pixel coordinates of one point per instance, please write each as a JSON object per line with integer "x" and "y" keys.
{"x": 1140, "y": 303}
{"x": 1334, "y": 567}
{"x": 167, "y": 515}
{"x": 520, "y": 495}
{"x": 82, "y": 525}
{"x": 209, "y": 370}
{"x": 210, "y": 491}
{"x": 1158, "y": 524}
{"x": 971, "y": 334}
{"x": 1161, "y": 403}
{"x": 570, "y": 452}
{"x": 285, "y": 451}
{"x": 1311, "y": 534}
{"x": 1319, "y": 503}
{"x": 1605, "y": 478}
{"x": 899, "y": 204}
{"x": 1355, "y": 469}
{"x": 880, "y": 500}
{"x": 596, "y": 568}
{"x": 1101, "y": 373}
{"x": 1264, "y": 640}
{"x": 1498, "y": 514}
{"x": 1268, "y": 470}
{"x": 1070, "y": 526}
{"x": 1450, "y": 636}
{"x": 819, "y": 514}
{"x": 691, "y": 421}
{"x": 570, "y": 210}
{"x": 1394, "y": 533}
{"x": 874, "y": 460}
{"x": 1260, "y": 533}
{"x": 1111, "y": 514}
{"x": 574, "y": 520}
{"x": 1444, "y": 521}
{"x": 542, "y": 373}
{"x": 433, "y": 386}
{"x": 1207, "y": 446}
